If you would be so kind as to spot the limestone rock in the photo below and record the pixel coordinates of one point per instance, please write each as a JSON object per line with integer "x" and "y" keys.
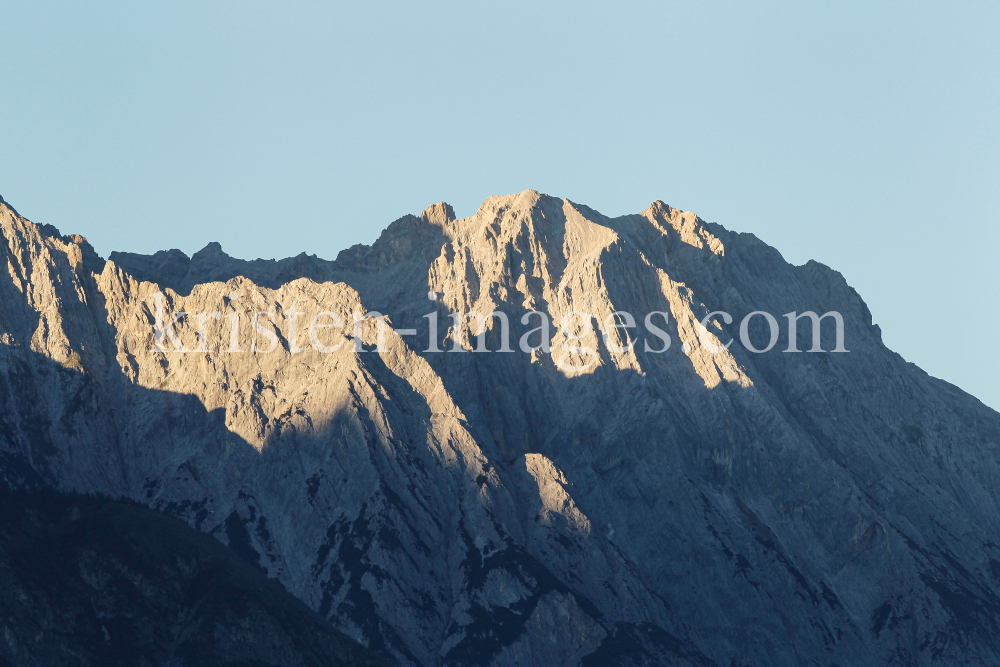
{"x": 614, "y": 503}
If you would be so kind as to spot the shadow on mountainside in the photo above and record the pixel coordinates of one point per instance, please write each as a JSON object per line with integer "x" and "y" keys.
{"x": 37, "y": 445}
{"x": 802, "y": 489}
{"x": 88, "y": 580}
{"x": 91, "y": 434}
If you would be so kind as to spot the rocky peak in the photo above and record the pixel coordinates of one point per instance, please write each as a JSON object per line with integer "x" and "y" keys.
{"x": 440, "y": 214}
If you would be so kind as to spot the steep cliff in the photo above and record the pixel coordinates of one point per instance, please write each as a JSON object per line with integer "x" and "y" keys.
{"x": 597, "y": 503}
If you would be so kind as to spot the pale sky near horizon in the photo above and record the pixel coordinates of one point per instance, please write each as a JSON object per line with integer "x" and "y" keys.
{"x": 862, "y": 135}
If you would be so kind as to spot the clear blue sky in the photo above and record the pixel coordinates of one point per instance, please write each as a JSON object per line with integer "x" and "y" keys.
{"x": 863, "y": 135}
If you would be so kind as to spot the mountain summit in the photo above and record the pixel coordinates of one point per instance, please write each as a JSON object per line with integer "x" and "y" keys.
{"x": 635, "y": 494}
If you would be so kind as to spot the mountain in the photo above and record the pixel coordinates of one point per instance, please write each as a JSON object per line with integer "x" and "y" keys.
{"x": 602, "y": 505}
{"x": 91, "y": 581}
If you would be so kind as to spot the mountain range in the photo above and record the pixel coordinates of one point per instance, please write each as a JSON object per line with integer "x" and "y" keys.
{"x": 631, "y": 499}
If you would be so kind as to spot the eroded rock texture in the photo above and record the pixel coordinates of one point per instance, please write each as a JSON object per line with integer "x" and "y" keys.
{"x": 689, "y": 507}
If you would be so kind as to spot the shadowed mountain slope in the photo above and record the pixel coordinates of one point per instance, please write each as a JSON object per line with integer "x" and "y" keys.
{"x": 90, "y": 581}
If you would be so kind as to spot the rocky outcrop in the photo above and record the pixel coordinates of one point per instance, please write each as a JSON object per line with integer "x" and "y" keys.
{"x": 599, "y": 503}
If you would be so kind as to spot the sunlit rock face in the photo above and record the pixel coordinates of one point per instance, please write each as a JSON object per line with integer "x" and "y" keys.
{"x": 616, "y": 504}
